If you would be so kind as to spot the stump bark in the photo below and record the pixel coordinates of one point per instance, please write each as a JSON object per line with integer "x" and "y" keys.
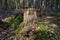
{"x": 27, "y": 32}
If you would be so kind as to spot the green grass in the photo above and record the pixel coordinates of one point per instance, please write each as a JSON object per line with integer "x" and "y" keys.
{"x": 44, "y": 34}
{"x": 15, "y": 22}
{"x": 41, "y": 25}
{"x": 57, "y": 14}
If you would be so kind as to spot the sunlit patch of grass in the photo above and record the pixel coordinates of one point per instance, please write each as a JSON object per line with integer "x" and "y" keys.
{"x": 41, "y": 25}
{"x": 44, "y": 34}
{"x": 15, "y": 22}
{"x": 8, "y": 19}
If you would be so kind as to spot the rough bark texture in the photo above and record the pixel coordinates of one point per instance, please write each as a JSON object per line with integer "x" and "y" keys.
{"x": 27, "y": 32}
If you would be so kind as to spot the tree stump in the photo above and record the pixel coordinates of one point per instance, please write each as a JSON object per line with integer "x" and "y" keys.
{"x": 27, "y": 32}
{"x": 30, "y": 15}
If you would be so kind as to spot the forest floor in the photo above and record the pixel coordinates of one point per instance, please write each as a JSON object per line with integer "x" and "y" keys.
{"x": 5, "y": 31}
{"x": 53, "y": 23}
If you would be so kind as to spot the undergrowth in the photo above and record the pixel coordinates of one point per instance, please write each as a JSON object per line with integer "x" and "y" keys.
{"x": 44, "y": 34}
{"x": 16, "y": 22}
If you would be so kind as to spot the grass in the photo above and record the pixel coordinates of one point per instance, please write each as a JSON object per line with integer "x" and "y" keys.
{"x": 57, "y": 14}
{"x": 41, "y": 25}
{"x": 44, "y": 34}
{"x": 16, "y": 22}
